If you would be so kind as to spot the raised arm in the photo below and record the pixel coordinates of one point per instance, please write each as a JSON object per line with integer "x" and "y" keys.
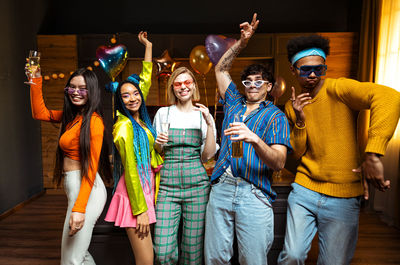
{"x": 145, "y": 75}
{"x": 142, "y": 36}
{"x": 225, "y": 63}
{"x": 39, "y": 109}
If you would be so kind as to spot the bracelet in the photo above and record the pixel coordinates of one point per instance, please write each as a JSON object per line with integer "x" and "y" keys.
{"x": 300, "y": 125}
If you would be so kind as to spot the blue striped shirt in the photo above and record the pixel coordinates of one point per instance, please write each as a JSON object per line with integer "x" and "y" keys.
{"x": 269, "y": 123}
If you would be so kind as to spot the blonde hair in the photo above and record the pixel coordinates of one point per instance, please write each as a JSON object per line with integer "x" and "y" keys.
{"x": 170, "y": 85}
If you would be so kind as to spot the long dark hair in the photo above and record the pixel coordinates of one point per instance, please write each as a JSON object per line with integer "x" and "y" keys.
{"x": 93, "y": 105}
{"x": 140, "y": 141}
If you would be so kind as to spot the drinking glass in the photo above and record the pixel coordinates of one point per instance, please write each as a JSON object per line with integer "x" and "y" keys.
{"x": 277, "y": 176}
{"x": 32, "y": 66}
{"x": 237, "y": 145}
{"x": 165, "y": 127}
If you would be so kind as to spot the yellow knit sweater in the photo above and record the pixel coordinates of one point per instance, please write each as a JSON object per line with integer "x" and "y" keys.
{"x": 327, "y": 145}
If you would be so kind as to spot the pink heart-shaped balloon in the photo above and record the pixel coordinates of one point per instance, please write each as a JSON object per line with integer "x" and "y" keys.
{"x": 216, "y": 46}
{"x": 112, "y": 59}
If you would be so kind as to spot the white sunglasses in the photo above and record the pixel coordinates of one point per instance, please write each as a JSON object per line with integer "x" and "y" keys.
{"x": 257, "y": 83}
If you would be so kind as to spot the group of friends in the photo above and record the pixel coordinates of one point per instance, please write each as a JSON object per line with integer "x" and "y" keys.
{"x": 160, "y": 179}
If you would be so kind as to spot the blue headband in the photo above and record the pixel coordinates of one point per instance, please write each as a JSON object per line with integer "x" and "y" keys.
{"x": 112, "y": 86}
{"x": 308, "y": 52}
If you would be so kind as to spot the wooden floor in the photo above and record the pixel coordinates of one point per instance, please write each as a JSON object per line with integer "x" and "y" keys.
{"x": 32, "y": 236}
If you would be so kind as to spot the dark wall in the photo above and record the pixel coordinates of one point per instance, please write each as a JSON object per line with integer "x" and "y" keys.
{"x": 200, "y": 17}
{"x": 21, "y": 20}
{"x": 20, "y": 152}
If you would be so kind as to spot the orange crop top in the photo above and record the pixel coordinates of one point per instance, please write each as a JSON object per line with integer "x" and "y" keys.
{"x": 69, "y": 140}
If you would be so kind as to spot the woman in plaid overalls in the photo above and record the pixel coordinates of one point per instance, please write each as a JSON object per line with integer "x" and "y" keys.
{"x": 184, "y": 185}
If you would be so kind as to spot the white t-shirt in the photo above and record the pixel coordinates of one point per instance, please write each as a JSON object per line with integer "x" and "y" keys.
{"x": 183, "y": 120}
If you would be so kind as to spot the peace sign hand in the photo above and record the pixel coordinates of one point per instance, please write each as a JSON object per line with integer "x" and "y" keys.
{"x": 247, "y": 30}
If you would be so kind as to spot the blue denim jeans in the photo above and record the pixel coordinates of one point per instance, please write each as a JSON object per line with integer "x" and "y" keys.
{"x": 235, "y": 205}
{"x": 335, "y": 219}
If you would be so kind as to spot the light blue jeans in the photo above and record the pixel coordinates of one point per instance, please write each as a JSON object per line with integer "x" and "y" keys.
{"x": 335, "y": 219}
{"x": 237, "y": 206}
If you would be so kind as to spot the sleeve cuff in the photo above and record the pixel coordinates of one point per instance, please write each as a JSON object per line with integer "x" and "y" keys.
{"x": 377, "y": 145}
{"x": 299, "y": 128}
{"x": 78, "y": 209}
{"x": 231, "y": 93}
{"x": 37, "y": 82}
{"x": 37, "y": 79}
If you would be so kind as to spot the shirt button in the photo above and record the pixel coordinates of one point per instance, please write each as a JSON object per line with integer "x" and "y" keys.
{"x": 224, "y": 167}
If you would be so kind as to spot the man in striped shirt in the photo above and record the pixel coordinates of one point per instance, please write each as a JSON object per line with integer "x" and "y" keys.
{"x": 241, "y": 194}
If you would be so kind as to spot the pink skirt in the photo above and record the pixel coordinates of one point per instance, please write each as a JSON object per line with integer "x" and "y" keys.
{"x": 120, "y": 210}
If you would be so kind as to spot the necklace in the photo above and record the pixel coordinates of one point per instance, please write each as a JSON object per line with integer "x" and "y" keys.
{"x": 254, "y": 102}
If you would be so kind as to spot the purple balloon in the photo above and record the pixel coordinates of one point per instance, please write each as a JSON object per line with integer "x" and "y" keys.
{"x": 216, "y": 46}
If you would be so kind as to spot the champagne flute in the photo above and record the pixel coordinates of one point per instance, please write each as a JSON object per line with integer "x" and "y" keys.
{"x": 32, "y": 66}
{"x": 237, "y": 145}
{"x": 165, "y": 128}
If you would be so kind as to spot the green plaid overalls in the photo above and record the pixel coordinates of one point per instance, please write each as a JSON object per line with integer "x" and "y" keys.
{"x": 183, "y": 194}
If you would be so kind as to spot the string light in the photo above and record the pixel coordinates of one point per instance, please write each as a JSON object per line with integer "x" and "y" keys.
{"x": 96, "y": 63}
{"x": 113, "y": 40}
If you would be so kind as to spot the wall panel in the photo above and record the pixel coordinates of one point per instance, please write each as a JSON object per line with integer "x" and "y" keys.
{"x": 59, "y": 55}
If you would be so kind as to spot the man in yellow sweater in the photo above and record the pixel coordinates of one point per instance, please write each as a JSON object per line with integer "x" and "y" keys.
{"x": 328, "y": 187}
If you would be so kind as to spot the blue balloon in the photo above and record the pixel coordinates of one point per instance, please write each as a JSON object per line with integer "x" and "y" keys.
{"x": 112, "y": 59}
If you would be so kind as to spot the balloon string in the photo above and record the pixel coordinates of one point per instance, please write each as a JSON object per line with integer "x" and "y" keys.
{"x": 159, "y": 91}
{"x": 205, "y": 89}
{"x": 112, "y": 101}
{"x": 166, "y": 91}
{"x": 215, "y": 103}
{"x": 113, "y": 106}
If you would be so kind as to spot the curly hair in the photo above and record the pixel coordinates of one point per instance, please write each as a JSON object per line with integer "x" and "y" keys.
{"x": 255, "y": 69}
{"x": 301, "y": 43}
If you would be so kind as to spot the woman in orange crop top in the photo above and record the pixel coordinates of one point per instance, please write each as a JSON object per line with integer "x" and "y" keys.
{"x": 81, "y": 154}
